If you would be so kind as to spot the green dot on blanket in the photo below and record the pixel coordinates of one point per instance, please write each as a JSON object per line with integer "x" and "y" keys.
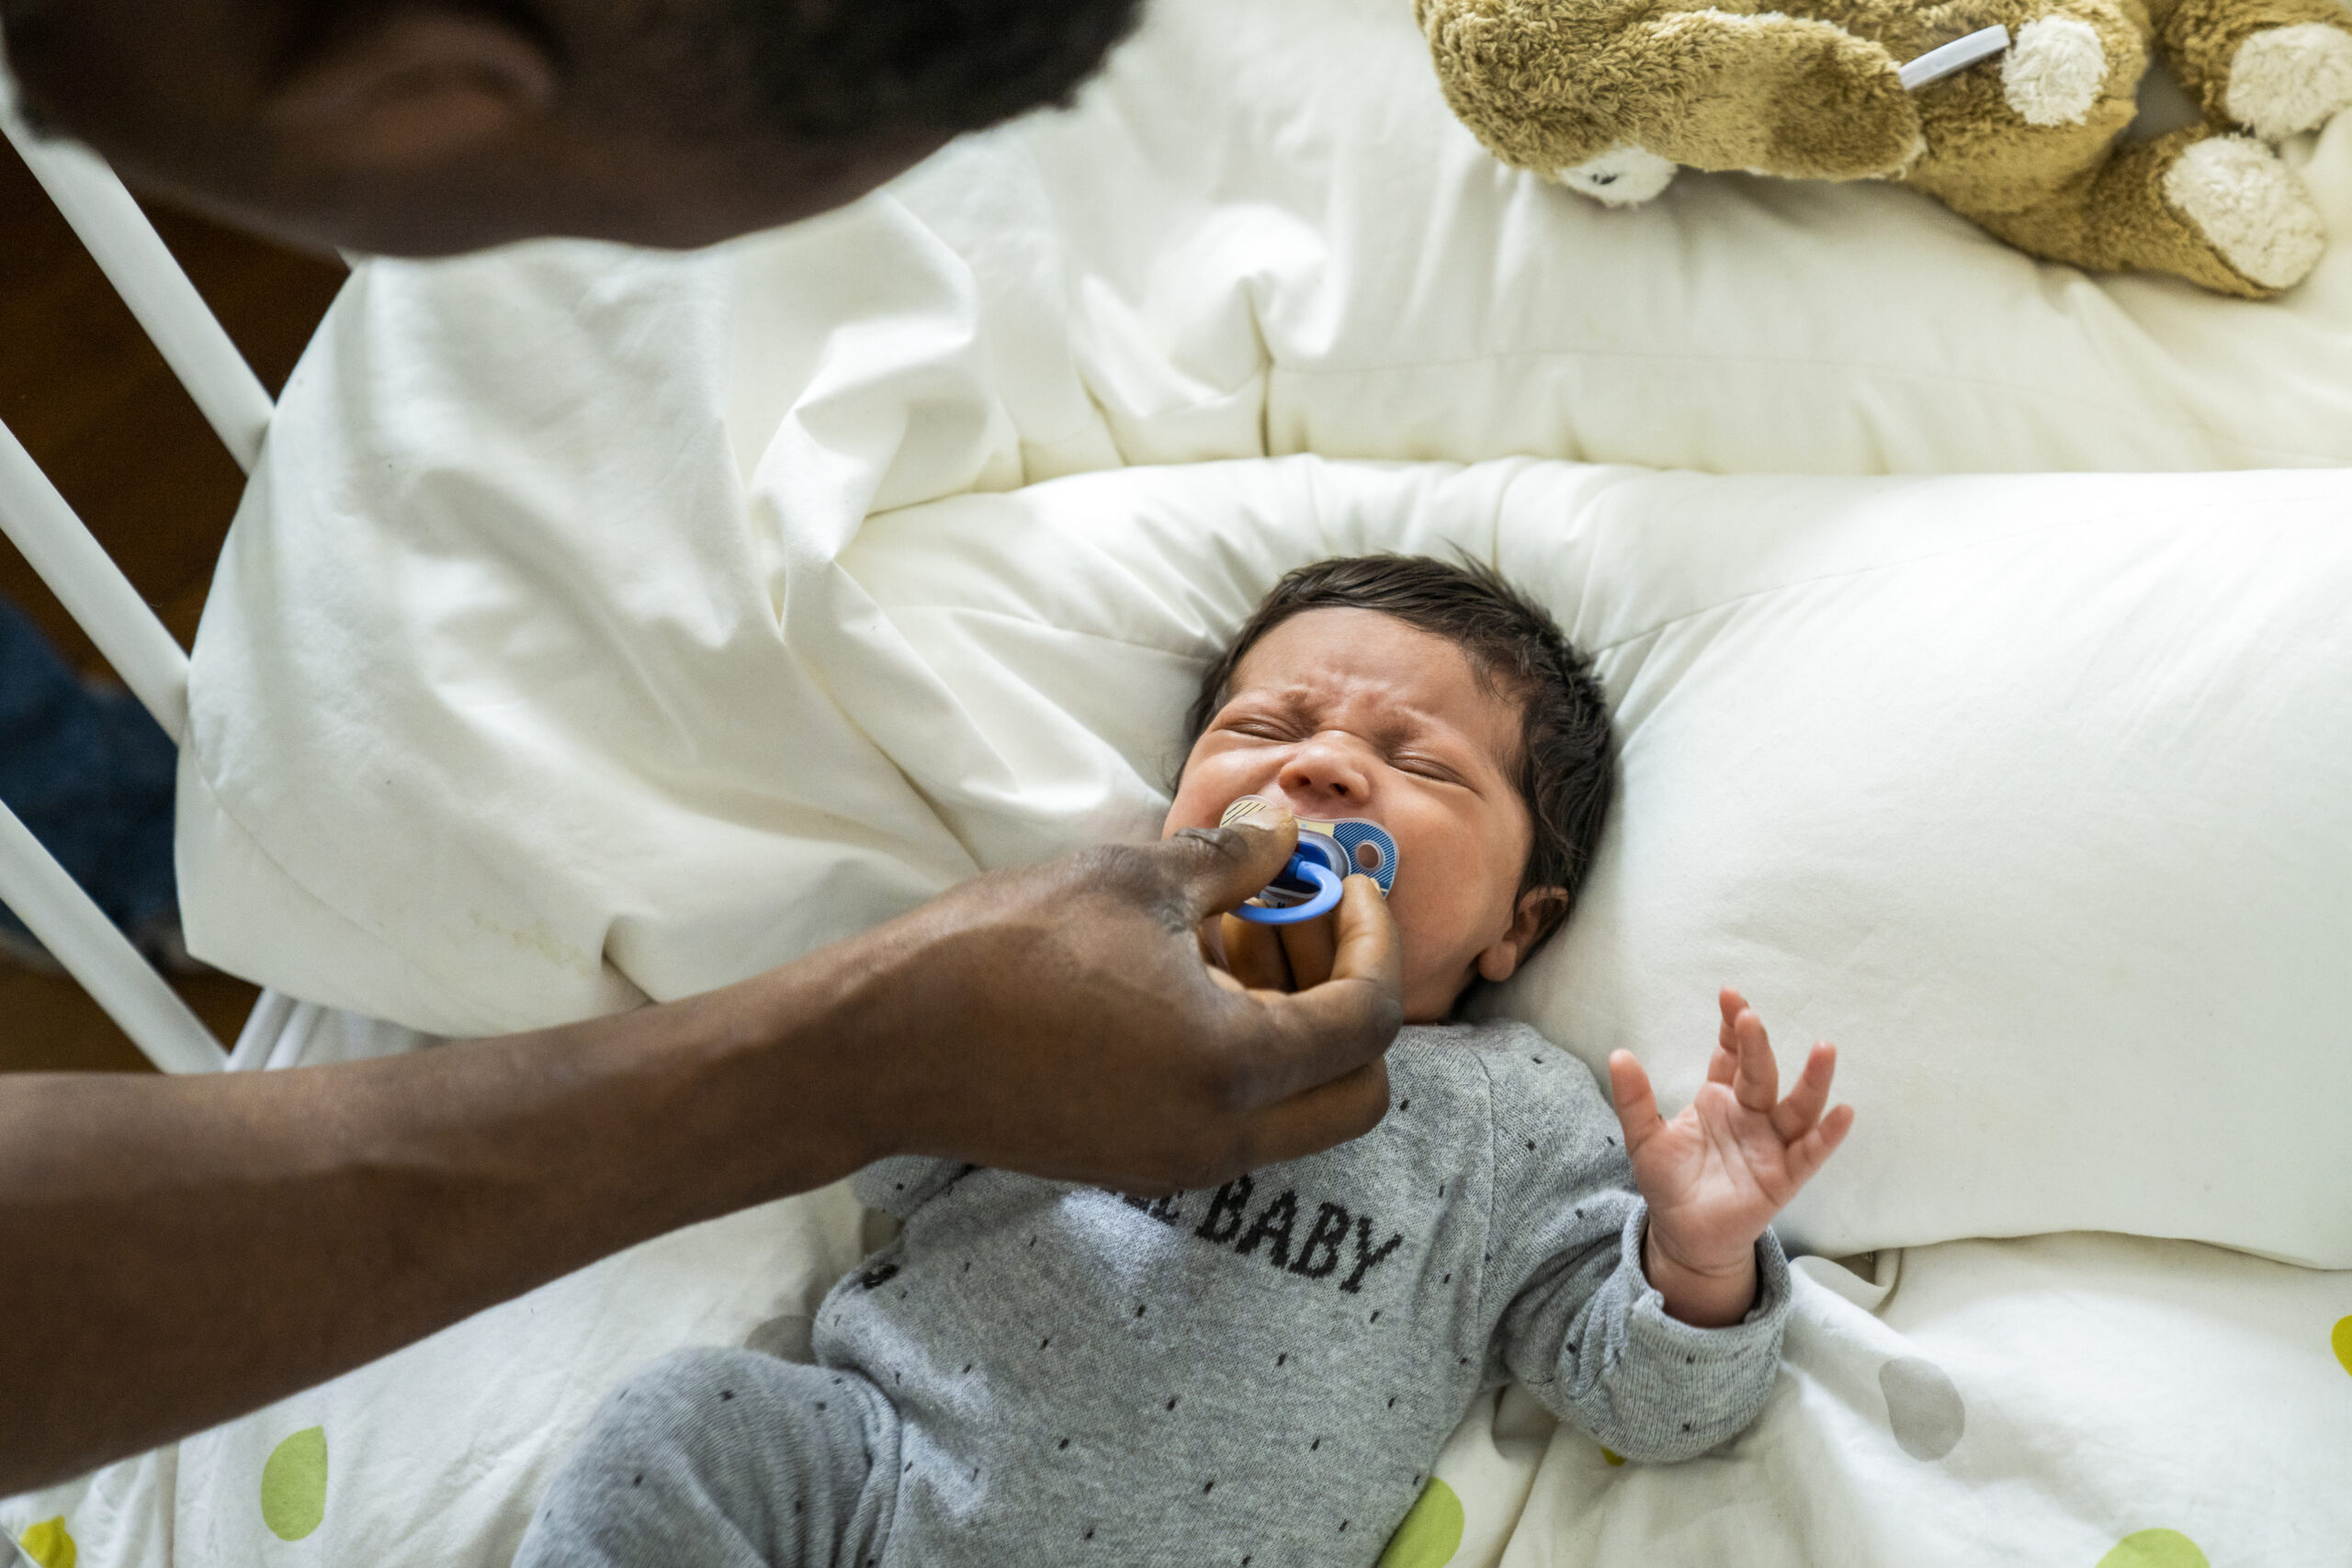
{"x": 48, "y": 1544}
{"x": 294, "y": 1484}
{"x": 2342, "y": 1340}
{"x": 2154, "y": 1549}
{"x": 1431, "y": 1534}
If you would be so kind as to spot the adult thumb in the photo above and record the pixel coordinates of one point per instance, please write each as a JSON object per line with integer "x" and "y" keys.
{"x": 1223, "y": 867}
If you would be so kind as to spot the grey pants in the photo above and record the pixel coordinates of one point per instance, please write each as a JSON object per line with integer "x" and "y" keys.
{"x": 726, "y": 1459}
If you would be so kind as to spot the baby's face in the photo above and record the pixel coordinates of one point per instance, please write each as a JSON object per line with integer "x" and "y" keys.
{"x": 1351, "y": 713}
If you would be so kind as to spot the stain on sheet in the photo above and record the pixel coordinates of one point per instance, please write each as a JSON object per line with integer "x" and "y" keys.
{"x": 1923, "y": 1409}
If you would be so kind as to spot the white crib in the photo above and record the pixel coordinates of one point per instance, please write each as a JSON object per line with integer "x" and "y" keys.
{"x": 38, "y": 520}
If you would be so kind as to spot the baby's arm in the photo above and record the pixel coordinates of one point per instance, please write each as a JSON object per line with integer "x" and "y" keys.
{"x": 1653, "y": 1320}
{"x": 1592, "y": 1340}
{"x": 1715, "y": 1175}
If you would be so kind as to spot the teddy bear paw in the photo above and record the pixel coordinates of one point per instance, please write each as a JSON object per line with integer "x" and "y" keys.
{"x": 2285, "y": 80}
{"x": 1625, "y": 175}
{"x": 2249, "y": 207}
{"x": 2054, "y": 71}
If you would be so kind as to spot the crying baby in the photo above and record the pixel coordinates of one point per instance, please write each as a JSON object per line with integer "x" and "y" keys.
{"x": 1034, "y": 1372}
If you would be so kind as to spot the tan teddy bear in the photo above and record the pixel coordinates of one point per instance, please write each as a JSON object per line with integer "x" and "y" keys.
{"x": 1609, "y": 97}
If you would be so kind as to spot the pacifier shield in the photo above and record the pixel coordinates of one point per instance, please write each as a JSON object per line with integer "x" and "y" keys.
{"x": 1349, "y": 845}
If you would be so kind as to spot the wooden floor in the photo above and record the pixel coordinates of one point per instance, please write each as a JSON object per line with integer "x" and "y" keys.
{"x": 95, "y": 404}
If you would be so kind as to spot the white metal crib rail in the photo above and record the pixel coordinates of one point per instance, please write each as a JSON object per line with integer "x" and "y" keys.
{"x": 93, "y": 590}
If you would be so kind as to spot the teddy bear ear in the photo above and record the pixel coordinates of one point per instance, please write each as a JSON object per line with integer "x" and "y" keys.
{"x": 1624, "y": 175}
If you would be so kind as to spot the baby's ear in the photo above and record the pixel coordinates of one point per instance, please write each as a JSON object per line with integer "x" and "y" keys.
{"x": 1539, "y": 909}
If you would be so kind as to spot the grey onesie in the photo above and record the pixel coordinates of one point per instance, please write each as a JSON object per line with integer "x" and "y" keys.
{"x": 1036, "y": 1372}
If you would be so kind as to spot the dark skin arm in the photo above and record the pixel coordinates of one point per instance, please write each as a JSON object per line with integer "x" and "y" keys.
{"x": 182, "y": 1250}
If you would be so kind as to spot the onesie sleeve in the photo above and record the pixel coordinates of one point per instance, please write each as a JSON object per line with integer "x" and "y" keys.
{"x": 904, "y": 1183}
{"x": 1577, "y": 1320}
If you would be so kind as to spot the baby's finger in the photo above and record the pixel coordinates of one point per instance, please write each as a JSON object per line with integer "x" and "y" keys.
{"x": 1732, "y": 1004}
{"x": 1758, "y": 1082}
{"x": 1810, "y": 1153}
{"x": 1636, "y": 1101}
{"x": 1724, "y": 1065}
{"x": 1254, "y": 953}
{"x": 1795, "y": 1115}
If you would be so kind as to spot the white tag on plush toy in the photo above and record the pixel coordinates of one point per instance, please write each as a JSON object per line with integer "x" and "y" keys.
{"x": 1950, "y": 58}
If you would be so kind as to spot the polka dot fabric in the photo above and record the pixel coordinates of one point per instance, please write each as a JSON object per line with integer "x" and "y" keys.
{"x": 2059, "y": 1402}
{"x": 2130, "y": 1403}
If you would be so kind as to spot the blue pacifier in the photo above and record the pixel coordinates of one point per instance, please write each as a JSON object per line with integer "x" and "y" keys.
{"x": 1328, "y": 852}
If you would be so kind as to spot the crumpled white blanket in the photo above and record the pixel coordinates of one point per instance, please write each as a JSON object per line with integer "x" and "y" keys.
{"x": 539, "y": 574}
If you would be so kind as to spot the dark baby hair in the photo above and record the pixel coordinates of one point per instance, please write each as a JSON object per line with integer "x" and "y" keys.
{"x": 1565, "y": 770}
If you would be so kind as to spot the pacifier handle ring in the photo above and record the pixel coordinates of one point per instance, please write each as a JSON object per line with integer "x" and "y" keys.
{"x": 1326, "y": 899}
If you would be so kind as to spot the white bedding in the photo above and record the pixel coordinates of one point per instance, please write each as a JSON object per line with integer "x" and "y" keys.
{"x": 2074, "y": 1401}
{"x": 556, "y": 662}
{"x": 1261, "y": 235}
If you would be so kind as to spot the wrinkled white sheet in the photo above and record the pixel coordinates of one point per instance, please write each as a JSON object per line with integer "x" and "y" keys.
{"x": 565, "y": 488}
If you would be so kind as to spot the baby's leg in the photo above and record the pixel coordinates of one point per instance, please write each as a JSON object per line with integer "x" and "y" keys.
{"x": 725, "y": 1457}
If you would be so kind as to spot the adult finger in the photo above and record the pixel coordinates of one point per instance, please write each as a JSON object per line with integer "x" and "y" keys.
{"x": 1309, "y": 947}
{"x": 1218, "y": 867}
{"x": 1810, "y": 1153}
{"x": 1758, "y": 1084}
{"x": 1315, "y": 1037}
{"x": 1793, "y": 1115}
{"x": 1254, "y": 953}
{"x": 1636, "y": 1101}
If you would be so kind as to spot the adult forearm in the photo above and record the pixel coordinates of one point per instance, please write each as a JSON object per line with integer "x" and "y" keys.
{"x": 174, "y": 1252}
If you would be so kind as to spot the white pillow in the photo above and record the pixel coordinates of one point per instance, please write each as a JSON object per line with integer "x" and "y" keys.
{"x": 2031, "y": 792}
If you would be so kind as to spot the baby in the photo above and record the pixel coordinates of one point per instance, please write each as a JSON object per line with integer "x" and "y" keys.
{"x": 1037, "y": 1372}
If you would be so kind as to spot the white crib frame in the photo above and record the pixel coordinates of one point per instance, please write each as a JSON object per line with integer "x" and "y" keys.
{"x": 93, "y": 590}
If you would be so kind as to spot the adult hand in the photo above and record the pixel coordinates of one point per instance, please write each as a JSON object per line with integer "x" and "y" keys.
{"x": 1059, "y": 1020}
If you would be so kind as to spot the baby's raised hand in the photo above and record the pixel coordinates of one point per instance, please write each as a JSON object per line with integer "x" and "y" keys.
{"x": 1715, "y": 1175}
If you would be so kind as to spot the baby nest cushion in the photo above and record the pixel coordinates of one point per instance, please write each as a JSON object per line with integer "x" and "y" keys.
{"x": 2027, "y": 791}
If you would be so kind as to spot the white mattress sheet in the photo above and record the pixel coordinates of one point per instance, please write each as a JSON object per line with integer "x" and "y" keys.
{"x": 2056, "y": 1399}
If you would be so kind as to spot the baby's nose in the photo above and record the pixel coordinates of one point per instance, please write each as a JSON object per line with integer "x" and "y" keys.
{"x": 1327, "y": 773}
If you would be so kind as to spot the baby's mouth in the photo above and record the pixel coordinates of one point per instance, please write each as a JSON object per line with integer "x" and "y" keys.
{"x": 1345, "y": 846}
